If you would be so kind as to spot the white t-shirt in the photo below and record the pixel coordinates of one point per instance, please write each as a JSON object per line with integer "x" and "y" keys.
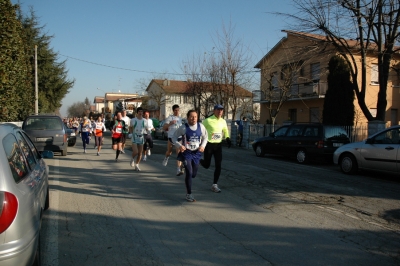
{"x": 138, "y": 126}
{"x": 127, "y": 120}
{"x": 148, "y": 123}
{"x": 172, "y": 128}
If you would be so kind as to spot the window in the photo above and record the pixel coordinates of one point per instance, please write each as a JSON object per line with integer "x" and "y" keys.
{"x": 295, "y": 131}
{"x": 314, "y": 114}
{"x": 374, "y": 74}
{"x": 315, "y": 71}
{"x": 292, "y": 115}
{"x": 16, "y": 160}
{"x": 26, "y": 151}
{"x": 393, "y": 117}
{"x": 274, "y": 80}
{"x": 388, "y": 137}
{"x": 311, "y": 132}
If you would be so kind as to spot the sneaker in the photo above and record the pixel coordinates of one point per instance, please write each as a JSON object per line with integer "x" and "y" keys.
{"x": 84, "y": 150}
{"x": 215, "y": 188}
{"x": 189, "y": 197}
{"x": 116, "y": 160}
{"x": 137, "y": 168}
{"x": 98, "y": 154}
{"x": 148, "y": 152}
{"x": 133, "y": 162}
{"x": 122, "y": 151}
{"x": 178, "y": 172}
{"x": 144, "y": 158}
{"x": 165, "y": 162}
{"x": 182, "y": 168}
{"x": 95, "y": 146}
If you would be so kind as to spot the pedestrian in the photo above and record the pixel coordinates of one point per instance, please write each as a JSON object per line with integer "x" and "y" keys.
{"x": 117, "y": 135}
{"x": 125, "y": 130}
{"x": 148, "y": 140}
{"x": 194, "y": 139}
{"x": 240, "y": 124}
{"x": 84, "y": 130}
{"x": 75, "y": 125}
{"x": 98, "y": 134}
{"x": 217, "y": 129}
{"x": 172, "y": 123}
{"x": 137, "y": 130}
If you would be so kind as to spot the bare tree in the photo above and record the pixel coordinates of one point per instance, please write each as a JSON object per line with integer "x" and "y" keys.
{"x": 356, "y": 28}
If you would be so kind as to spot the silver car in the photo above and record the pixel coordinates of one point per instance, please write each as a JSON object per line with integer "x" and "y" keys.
{"x": 380, "y": 152}
{"x": 24, "y": 192}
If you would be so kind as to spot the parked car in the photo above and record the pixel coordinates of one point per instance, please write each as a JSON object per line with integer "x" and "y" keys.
{"x": 47, "y": 132}
{"x": 304, "y": 141}
{"x": 160, "y": 132}
{"x": 24, "y": 193}
{"x": 71, "y": 135}
{"x": 380, "y": 152}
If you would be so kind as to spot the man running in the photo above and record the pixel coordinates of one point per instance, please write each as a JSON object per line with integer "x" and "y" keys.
{"x": 85, "y": 129}
{"x": 137, "y": 130}
{"x": 125, "y": 130}
{"x": 117, "y": 135}
{"x": 99, "y": 128}
{"x": 194, "y": 139}
{"x": 148, "y": 140}
{"x": 217, "y": 129}
{"x": 172, "y": 123}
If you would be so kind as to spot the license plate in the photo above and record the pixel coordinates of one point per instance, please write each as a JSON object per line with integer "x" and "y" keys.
{"x": 337, "y": 144}
{"x": 43, "y": 139}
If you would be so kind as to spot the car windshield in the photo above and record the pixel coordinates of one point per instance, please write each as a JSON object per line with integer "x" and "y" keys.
{"x": 335, "y": 132}
{"x": 43, "y": 123}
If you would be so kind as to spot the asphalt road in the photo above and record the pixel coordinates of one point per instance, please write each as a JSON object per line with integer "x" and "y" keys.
{"x": 271, "y": 211}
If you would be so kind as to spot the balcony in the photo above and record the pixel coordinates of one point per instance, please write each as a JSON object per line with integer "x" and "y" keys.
{"x": 299, "y": 91}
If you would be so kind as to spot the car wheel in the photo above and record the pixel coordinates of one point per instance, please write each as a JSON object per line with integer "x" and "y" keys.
{"x": 302, "y": 156}
{"x": 348, "y": 164}
{"x": 259, "y": 151}
{"x": 71, "y": 144}
{"x": 47, "y": 202}
{"x": 64, "y": 152}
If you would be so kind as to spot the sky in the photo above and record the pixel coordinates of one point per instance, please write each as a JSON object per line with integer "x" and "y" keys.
{"x": 117, "y": 46}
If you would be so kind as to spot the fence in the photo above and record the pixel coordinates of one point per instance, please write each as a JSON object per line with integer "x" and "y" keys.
{"x": 254, "y": 131}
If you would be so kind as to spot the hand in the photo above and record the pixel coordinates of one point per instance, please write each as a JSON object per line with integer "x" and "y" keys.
{"x": 229, "y": 142}
{"x": 201, "y": 149}
{"x": 130, "y": 135}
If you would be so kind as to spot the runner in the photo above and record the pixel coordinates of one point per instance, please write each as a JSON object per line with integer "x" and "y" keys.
{"x": 117, "y": 135}
{"x": 85, "y": 129}
{"x": 98, "y": 134}
{"x": 194, "y": 140}
{"x": 217, "y": 129}
{"x": 172, "y": 123}
{"x": 127, "y": 121}
{"x": 137, "y": 130}
{"x": 148, "y": 140}
{"x": 75, "y": 125}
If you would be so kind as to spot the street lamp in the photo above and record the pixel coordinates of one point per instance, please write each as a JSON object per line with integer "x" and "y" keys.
{"x": 104, "y": 102}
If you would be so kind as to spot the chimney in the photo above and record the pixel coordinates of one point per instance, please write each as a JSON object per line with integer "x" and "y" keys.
{"x": 166, "y": 82}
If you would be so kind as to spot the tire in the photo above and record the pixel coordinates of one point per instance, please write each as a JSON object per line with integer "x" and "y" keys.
{"x": 47, "y": 202}
{"x": 64, "y": 152}
{"x": 302, "y": 156}
{"x": 259, "y": 151}
{"x": 348, "y": 164}
{"x": 71, "y": 144}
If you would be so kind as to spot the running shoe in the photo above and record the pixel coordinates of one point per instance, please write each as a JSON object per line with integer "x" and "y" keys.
{"x": 182, "y": 168}
{"x": 133, "y": 162}
{"x": 84, "y": 150}
{"x": 215, "y": 188}
{"x": 122, "y": 151}
{"x": 137, "y": 168}
{"x": 165, "y": 162}
{"x": 178, "y": 172}
{"x": 116, "y": 160}
{"x": 144, "y": 158}
{"x": 148, "y": 152}
{"x": 98, "y": 154}
{"x": 189, "y": 197}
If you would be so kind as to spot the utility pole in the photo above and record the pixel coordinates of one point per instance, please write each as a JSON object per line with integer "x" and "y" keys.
{"x": 36, "y": 84}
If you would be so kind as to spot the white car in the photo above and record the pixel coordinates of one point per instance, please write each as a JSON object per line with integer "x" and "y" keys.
{"x": 24, "y": 194}
{"x": 380, "y": 152}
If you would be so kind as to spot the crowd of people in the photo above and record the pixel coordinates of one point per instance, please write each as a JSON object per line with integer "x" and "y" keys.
{"x": 195, "y": 143}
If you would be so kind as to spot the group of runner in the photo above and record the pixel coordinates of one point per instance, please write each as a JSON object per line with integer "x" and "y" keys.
{"x": 191, "y": 140}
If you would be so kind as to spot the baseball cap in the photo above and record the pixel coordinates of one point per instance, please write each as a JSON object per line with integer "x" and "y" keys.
{"x": 218, "y": 106}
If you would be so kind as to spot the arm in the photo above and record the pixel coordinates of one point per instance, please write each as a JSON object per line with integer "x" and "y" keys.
{"x": 179, "y": 132}
{"x": 204, "y": 138}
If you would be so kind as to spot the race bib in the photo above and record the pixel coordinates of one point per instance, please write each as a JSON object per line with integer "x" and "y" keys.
{"x": 138, "y": 138}
{"x": 193, "y": 145}
{"x": 99, "y": 127}
{"x": 216, "y": 136}
{"x": 118, "y": 130}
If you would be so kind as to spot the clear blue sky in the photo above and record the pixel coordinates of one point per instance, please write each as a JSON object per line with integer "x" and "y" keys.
{"x": 147, "y": 37}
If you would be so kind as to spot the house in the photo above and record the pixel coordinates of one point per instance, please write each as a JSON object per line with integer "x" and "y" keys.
{"x": 130, "y": 101}
{"x": 163, "y": 94}
{"x": 301, "y": 61}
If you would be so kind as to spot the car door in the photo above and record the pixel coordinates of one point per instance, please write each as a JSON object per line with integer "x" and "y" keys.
{"x": 272, "y": 144}
{"x": 381, "y": 152}
{"x": 291, "y": 140}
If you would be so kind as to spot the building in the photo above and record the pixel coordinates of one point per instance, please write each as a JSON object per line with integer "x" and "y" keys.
{"x": 163, "y": 94}
{"x": 130, "y": 102}
{"x": 299, "y": 61}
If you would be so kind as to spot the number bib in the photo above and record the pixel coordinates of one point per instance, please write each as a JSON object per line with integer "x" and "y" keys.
{"x": 118, "y": 130}
{"x": 138, "y": 138}
{"x": 216, "y": 136}
{"x": 193, "y": 145}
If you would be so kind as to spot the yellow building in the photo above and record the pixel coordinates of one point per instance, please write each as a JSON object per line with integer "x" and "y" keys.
{"x": 294, "y": 73}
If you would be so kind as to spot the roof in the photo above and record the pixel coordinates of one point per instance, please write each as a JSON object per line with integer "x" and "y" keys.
{"x": 181, "y": 87}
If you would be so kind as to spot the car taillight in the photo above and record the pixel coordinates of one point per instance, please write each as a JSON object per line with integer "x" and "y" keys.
{"x": 320, "y": 144}
{"x": 8, "y": 210}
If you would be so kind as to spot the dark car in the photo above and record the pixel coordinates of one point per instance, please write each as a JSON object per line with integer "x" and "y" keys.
{"x": 71, "y": 136}
{"x": 160, "y": 132}
{"x": 304, "y": 141}
{"x": 47, "y": 132}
